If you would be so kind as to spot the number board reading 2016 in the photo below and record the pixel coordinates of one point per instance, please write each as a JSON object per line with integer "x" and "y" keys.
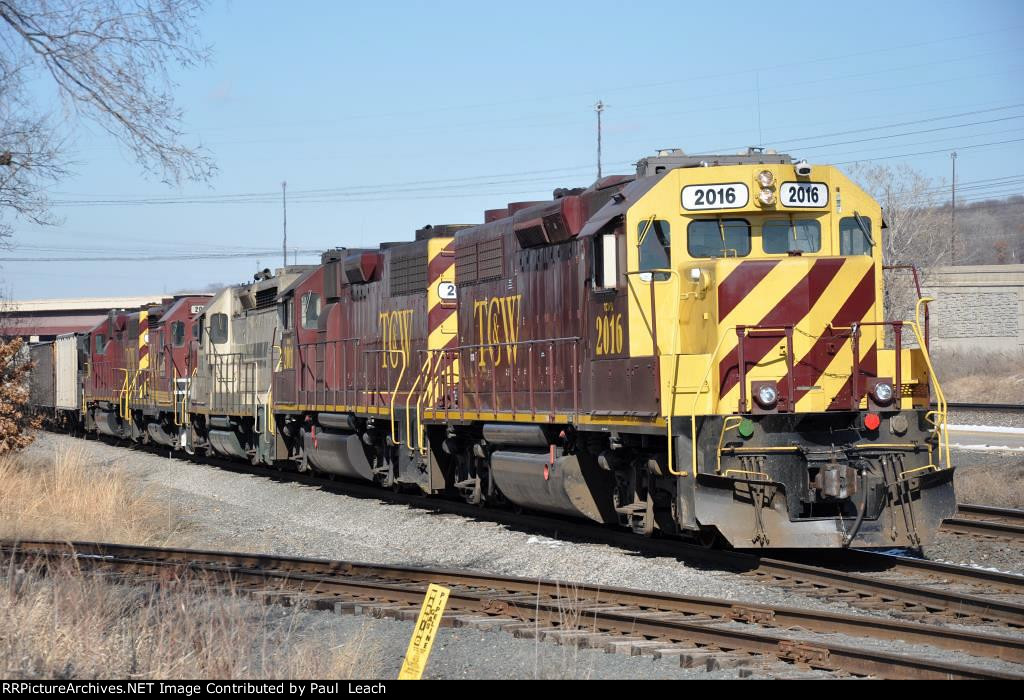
{"x": 730, "y": 195}
{"x": 813, "y": 195}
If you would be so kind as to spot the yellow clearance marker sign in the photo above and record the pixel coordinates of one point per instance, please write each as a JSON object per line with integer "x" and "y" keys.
{"x": 423, "y": 635}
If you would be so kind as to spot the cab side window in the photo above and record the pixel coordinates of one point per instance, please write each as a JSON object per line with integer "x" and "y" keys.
{"x": 855, "y": 236}
{"x": 178, "y": 334}
{"x": 284, "y": 313}
{"x": 101, "y": 344}
{"x": 310, "y": 310}
{"x": 654, "y": 239}
{"x": 605, "y": 249}
{"x": 219, "y": 328}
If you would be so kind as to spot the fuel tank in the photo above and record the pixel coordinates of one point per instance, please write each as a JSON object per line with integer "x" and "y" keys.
{"x": 227, "y": 444}
{"x": 528, "y": 480}
{"x": 337, "y": 452}
{"x": 108, "y": 423}
{"x": 157, "y": 435}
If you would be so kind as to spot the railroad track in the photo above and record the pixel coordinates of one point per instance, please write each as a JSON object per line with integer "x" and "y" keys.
{"x": 905, "y": 587}
{"x": 997, "y": 407}
{"x": 987, "y": 522}
{"x": 695, "y": 631}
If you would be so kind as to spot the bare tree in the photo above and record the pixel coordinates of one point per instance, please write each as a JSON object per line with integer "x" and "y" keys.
{"x": 108, "y": 61}
{"x": 917, "y": 232}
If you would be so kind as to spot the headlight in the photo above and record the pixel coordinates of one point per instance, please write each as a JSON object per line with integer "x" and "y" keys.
{"x": 767, "y": 396}
{"x": 766, "y": 196}
{"x": 695, "y": 274}
{"x": 766, "y": 178}
{"x": 883, "y": 393}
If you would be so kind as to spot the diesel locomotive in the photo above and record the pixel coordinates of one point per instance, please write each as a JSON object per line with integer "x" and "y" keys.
{"x": 699, "y": 350}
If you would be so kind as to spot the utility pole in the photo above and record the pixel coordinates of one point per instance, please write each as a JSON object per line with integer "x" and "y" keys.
{"x": 284, "y": 211}
{"x": 953, "y": 234}
{"x": 599, "y": 108}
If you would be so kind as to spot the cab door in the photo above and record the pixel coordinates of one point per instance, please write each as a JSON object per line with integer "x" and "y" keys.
{"x": 617, "y": 383}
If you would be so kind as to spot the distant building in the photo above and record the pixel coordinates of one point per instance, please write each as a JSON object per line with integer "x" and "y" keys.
{"x": 44, "y": 319}
{"x": 977, "y": 308}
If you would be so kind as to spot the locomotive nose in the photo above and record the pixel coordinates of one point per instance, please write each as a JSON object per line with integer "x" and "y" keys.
{"x": 792, "y": 319}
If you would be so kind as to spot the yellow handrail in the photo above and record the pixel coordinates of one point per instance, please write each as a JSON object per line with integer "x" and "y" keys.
{"x": 394, "y": 393}
{"x": 677, "y": 279}
{"x": 942, "y": 414}
{"x": 174, "y": 394}
{"x": 726, "y": 427}
{"x": 123, "y": 394}
{"x": 419, "y": 403}
{"x": 408, "y": 400}
{"x": 696, "y": 400}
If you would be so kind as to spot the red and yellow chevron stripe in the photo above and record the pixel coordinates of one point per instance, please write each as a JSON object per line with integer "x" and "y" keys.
{"x": 143, "y": 339}
{"x": 822, "y": 298}
{"x": 441, "y": 304}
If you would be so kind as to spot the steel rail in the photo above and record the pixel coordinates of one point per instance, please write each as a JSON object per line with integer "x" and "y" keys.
{"x": 630, "y": 613}
{"x": 1011, "y": 515}
{"x": 987, "y": 522}
{"x": 871, "y": 591}
{"x": 984, "y": 528}
{"x": 1004, "y": 407}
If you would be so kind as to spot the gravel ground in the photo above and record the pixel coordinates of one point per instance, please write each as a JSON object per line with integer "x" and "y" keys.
{"x": 241, "y": 512}
{"x": 984, "y": 478}
{"x": 227, "y": 510}
{"x": 970, "y": 416}
{"x": 974, "y": 551}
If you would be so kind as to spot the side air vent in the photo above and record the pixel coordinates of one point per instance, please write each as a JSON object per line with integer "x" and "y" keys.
{"x": 479, "y": 262}
{"x": 265, "y": 298}
{"x": 408, "y": 274}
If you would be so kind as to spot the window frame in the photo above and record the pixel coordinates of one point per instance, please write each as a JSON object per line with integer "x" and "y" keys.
{"x": 722, "y": 222}
{"x": 307, "y": 298}
{"x": 284, "y": 314}
{"x": 214, "y": 334}
{"x": 790, "y": 224}
{"x": 868, "y": 242}
{"x": 655, "y": 225}
{"x": 605, "y": 250}
{"x": 174, "y": 334}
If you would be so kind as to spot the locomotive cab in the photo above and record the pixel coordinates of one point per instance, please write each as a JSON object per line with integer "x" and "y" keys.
{"x": 800, "y": 414}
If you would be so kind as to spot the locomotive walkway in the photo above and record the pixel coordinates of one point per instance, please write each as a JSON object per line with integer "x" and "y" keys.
{"x": 697, "y": 631}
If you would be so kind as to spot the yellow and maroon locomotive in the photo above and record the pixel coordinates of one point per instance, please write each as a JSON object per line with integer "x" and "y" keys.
{"x": 699, "y": 349}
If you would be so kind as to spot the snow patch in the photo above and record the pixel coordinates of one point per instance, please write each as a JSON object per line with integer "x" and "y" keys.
{"x": 985, "y": 429}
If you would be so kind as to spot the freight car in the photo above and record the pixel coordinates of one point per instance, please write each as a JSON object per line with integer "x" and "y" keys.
{"x": 699, "y": 350}
{"x": 56, "y": 383}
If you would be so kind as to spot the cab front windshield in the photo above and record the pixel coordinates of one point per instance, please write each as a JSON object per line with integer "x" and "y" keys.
{"x": 774, "y": 235}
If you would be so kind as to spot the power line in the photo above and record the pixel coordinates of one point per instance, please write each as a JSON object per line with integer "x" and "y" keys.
{"x": 925, "y": 153}
{"x": 477, "y": 181}
{"x": 157, "y": 258}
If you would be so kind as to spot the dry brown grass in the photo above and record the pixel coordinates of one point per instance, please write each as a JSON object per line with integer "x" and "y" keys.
{"x": 70, "y": 624}
{"x": 981, "y": 377}
{"x": 61, "y": 495}
{"x": 1000, "y": 486}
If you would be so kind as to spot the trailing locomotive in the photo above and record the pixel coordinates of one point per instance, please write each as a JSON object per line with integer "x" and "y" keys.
{"x": 699, "y": 350}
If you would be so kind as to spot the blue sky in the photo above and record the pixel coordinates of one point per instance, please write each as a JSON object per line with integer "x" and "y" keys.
{"x": 384, "y": 117}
